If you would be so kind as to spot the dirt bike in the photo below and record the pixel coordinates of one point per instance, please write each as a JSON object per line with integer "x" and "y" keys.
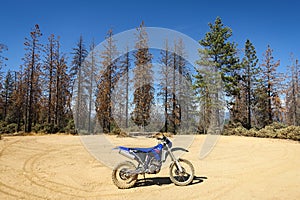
{"x": 149, "y": 161}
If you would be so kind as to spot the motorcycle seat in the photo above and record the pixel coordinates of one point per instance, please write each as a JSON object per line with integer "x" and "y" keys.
{"x": 145, "y": 150}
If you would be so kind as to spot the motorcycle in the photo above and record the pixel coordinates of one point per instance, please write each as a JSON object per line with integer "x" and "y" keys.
{"x": 149, "y": 161}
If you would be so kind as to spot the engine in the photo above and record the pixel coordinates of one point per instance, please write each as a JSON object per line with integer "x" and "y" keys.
{"x": 154, "y": 166}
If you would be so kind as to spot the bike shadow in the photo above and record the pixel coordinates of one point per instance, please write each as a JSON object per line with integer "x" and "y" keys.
{"x": 160, "y": 181}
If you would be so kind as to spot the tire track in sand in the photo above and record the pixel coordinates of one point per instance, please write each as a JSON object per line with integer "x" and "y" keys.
{"x": 52, "y": 186}
{"x": 11, "y": 190}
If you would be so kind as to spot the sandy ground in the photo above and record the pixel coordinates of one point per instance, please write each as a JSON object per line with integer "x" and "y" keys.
{"x": 59, "y": 167}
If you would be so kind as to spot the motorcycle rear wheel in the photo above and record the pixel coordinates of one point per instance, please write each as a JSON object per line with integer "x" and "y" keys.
{"x": 120, "y": 175}
{"x": 182, "y": 178}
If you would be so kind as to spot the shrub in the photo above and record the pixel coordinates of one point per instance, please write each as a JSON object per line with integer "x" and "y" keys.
{"x": 12, "y": 128}
{"x": 293, "y": 132}
{"x": 251, "y": 133}
{"x": 70, "y": 128}
{"x": 239, "y": 130}
{"x": 116, "y": 131}
{"x": 282, "y": 133}
{"x": 267, "y": 132}
{"x": 274, "y": 130}
{"x": 277, "y": 125}
{"x": 8, "y": 128}
{"x": 122, "y": 134}
{"x": 38, "y": 128}
{"x": 3, "y": 127}
{"x": 50, "y": 128}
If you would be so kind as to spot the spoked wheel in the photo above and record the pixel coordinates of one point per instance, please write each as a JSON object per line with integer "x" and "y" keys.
{"x": 121, "y": 175}
{"x": 186, "y": 176}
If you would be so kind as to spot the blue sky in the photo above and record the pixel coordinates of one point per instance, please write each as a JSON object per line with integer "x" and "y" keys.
{"x": 263, "y": 22}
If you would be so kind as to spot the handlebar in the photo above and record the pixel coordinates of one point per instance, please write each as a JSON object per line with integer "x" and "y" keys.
{"x": 163, "y": 138}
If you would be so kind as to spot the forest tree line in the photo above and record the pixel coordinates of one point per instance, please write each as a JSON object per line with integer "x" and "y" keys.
{"x": 38, "y": 97}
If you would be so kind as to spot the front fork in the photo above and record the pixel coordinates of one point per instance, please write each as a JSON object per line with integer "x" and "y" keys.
{"x": 175, "y": 160}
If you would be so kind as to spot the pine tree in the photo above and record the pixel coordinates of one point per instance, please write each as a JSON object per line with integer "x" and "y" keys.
{"x": 126, "y": 68}
{"x": 6, "y": 94}
{"x": 223, "y": 55}
{"x": 204, "y": 87}
{"x": 32, "y": 77}
{"x": 2, "y": 58}
{"x": 179, "y": 71}
{"x": 270, "y": 80}
{"x": 189, "y": 107}
{"x": 182, "y": 75}
{"x": 219, "y": 57}
{"x": 293, "y": 94}
{"x": 177, "y": 64}
{"x": 260, "y": 101}
{"x": 143, "y": 80}
{"x": 278, "y": 109}
{"x": 107, "y": 80}
{"x": 17, "y": 107}
{"x": 176, "y": 82}
{"x": 50, "y": 71}
{"x": 249, "y": 80}
{"x": 92, "y": 78}
{"x": 165, "y": 83}
{"x": 62, "y": 81}
{"x": 89, "y": 84}
{"x": 79, "y": 52}
{"x": 239, "y": 112}
{"x": 121, "y": 92}
{"x": 3, "y": 48}
{"x": 186, "y": 96}
{"x": 175, "y": 116}
{"x": 120, "y": 103}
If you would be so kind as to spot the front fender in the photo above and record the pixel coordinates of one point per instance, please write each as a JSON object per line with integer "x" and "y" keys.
{"x": 179, "y": 149}
{"x": 166, "y": 154}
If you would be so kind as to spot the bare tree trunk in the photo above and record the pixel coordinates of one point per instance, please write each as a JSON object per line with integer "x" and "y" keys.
{"x": 78, "y": 99}
{"x": 249, "y": 99}
{"x": 31, "y": 90}
{"x": 127, "y": 89}
{"x": 174, "y": 92}
{"x": 51, "y": 54}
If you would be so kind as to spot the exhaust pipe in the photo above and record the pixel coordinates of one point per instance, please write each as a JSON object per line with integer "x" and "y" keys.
{"x": 127, "y": 154}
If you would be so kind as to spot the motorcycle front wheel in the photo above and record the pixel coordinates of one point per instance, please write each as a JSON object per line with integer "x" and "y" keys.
{"x": 121, "y": 175}
{"x": 186, "y": 176}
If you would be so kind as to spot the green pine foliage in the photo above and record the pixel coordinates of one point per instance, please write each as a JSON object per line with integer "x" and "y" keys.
{"x": 249, "y": 80}
{"x": 217, "y": 58}
{"x": 223, "y": 54}
{"x": 40, "y": 96}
